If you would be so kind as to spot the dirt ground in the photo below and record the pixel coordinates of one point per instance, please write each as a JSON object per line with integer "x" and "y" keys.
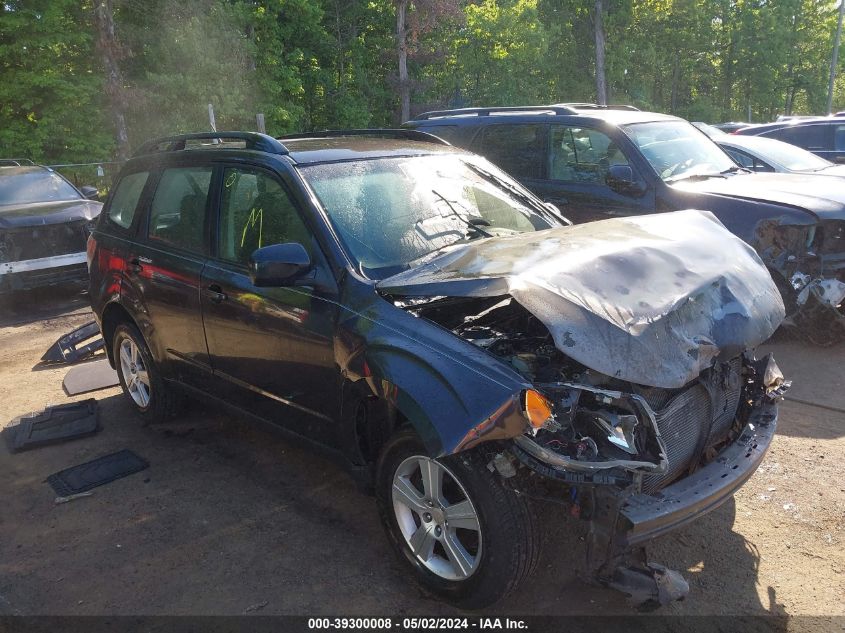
{"x": 231, "y": 518}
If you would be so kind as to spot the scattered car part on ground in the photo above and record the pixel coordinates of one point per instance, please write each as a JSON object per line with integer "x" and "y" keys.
{"x": 90, "y": 377}
{"x": 54, "y": 424}
{"x": 596, "y": 164}
{"x": 412, "y": 309}
{"x": 44, "y": 224}
{"x": 75, "y": 345}
{"x": 83, "y": 477}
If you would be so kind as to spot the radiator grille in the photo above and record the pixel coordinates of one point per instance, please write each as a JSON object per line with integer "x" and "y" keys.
{"x": 697, "y": 409}
{"x": 35, "y": 242}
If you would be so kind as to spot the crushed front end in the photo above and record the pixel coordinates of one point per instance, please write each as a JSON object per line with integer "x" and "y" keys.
{"x": 644, "y": 406}
{"x": 818, "y": 284}
{"x": 635, "y": 461}
{"x": 639, "y": 462}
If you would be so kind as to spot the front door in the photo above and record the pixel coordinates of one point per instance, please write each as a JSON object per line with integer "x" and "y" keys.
{"x": 578, "y": 163}
{"x": 271, "y": 348}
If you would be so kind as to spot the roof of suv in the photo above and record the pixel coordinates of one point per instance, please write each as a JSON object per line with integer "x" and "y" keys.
{"x": 615, "y": 115}
{"x": 305, "y": 148}
{"x": 311, "y": 150}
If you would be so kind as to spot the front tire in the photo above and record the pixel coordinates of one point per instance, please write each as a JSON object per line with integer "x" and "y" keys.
{"x": 140, "y": 378}
{"x": 467, "y": 538}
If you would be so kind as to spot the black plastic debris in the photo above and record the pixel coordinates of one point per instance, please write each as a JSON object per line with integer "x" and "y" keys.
{"x": 89, "y": 377}
{"x": 102, "y": 470}
{"x": 53, "y": 425}
{"x": 70, "y": 348}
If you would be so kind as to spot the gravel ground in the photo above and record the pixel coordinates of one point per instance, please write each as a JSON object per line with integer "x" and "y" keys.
{"x": 231, "y": 518}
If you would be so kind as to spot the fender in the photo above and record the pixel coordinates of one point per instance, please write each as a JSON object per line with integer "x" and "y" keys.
{"x": 431, "y": 377}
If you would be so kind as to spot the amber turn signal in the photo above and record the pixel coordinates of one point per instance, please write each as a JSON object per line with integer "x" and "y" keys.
{"x": 537, "y": 407}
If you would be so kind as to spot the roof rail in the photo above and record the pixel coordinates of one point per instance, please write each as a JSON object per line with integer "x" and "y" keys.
{"x": 252, "y": 140}
{"x": 596, "y": 106}
{"x": 408, "y": 135}
{"x": 15, "y": 162}
{"x": 554, "y": 109}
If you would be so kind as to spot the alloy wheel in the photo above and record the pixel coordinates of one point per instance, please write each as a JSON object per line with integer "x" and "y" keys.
{"x": 134, "y": 372}
{"x": 437, "y": 518}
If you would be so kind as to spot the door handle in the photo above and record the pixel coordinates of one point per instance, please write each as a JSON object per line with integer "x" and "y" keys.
{"x": 215, "y": 293}
{"x": 136, "y": 264}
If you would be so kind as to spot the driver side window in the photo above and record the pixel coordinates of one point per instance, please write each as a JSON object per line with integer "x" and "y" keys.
{"x": 256, "y": 211}
{"x": 582, "y": 155}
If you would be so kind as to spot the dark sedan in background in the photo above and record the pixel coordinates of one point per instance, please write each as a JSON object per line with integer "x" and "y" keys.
{"x": 43, "y": 226}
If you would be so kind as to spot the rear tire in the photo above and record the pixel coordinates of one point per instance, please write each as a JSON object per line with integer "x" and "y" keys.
{"x": 140, "y": 378}
{"x": 468, "y": 567}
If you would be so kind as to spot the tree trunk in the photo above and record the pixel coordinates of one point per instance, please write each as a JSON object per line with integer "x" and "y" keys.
{"x": 110, "y": 53}
{"x": 402, "y": 48}
{"x": 601, "y": 81}
{"x": 676, "y": 77}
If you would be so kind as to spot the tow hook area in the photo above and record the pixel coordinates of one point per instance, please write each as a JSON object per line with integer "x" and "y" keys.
{"x": 611, "y": 561}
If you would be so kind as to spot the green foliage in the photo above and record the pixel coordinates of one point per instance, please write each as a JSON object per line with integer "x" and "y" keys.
{"x": 312, "y": 64}
{"x": 51, "y": 101}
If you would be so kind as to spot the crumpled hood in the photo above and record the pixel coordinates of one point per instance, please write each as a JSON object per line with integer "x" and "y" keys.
{"x": 822, "y": 197}
{"x": 43, "y": 213}
{"x": 650, "y": 299}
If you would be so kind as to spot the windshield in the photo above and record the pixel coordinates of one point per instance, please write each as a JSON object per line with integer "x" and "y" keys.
{"x": 791, "y": 157}
{"x": 22, "y": 186}
{"x": 392, "y": 211}
{"x": 677, "y": 150}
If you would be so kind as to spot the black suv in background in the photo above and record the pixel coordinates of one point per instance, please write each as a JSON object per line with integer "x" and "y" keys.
{"x": 824, "y": 136}
{"x": 599, "y": 162}
{"x": 43, "y": 226}
{"x": 411, "y": 309}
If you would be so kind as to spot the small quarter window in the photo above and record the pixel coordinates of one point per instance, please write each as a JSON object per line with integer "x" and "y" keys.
{"x": 125, "y": 200}
{"x": 177, "y": 215}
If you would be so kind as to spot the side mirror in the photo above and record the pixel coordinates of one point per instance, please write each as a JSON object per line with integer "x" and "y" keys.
{"x": 89, "y": 192}
{"x": 278, "y": 265}
{"x": 621, "y": 179}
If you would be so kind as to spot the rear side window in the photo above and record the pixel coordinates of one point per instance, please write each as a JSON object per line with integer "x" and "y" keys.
{"x": 518, "y": 149}
{"x": 177, "y": 214}
{"x": 256, "y": 211}
{"x": 125, "y": 199}
{"x": 811, "y": 137}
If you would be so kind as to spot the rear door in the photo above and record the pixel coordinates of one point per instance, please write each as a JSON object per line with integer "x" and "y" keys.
{"x": 164, "y": 266}
{"x": 518, "y": 148}
{"x": 271, "y": 348}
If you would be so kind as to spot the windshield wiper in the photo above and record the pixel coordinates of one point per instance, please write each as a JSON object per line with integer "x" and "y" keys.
{"x": 474, "y": 224}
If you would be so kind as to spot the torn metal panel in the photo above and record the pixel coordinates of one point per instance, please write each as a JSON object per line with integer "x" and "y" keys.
{"x": 70, "y": 348}
{"x": 654, "y": 300}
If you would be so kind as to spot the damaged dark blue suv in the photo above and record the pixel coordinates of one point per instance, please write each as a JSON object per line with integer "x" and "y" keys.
{"x": 410, "y": 308}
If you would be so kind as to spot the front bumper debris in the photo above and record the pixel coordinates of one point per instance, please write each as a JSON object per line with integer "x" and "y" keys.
{"x": 623, "y": 524}
{"x": 646, "y": 517}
